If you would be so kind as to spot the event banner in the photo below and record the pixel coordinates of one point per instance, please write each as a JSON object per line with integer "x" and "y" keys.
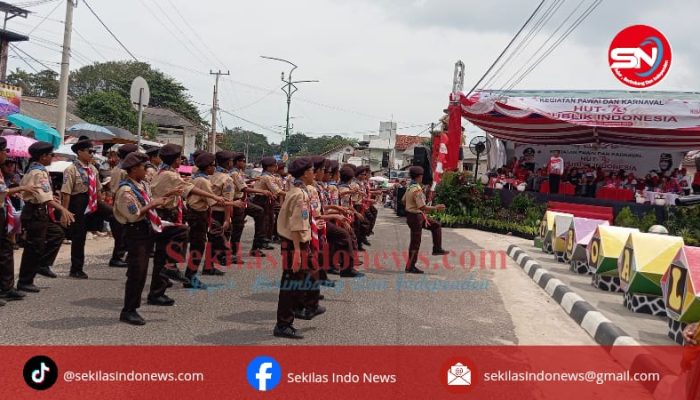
{"x": 655, "y": 113}
{"x": 350, "y": 372}
{"x": 609, "y": 157}
{"x": 13, "y": 94}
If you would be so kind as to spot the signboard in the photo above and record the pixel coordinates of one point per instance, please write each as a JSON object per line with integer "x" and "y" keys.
{"x": 609, "y": 157}
{"x": 13, "y": 94}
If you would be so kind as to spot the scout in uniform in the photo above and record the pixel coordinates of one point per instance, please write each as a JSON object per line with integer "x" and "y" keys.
{"x": 80, "y": 195}
{"x": 135, "y": 210}
{"x": 414, "y": 199}
{"x": 222, "y": 185}
{"x": 153, "y": 163}
{"x": 268, "y": 182}
{"x": 7, "y": 223}
{"x": 281, "y": 179}
{"x": 252, "y": 210}
{"x": 43, "y": 236}
{"x": 198, "y": 216}
{"x": 294, "y": 227}
{"x": 175, "y": 235}
{"x": 371, "y": 211}
{"x": 346, "y": 195}
{"x": 117, "y": 174}
{"x": 358, "y": 198}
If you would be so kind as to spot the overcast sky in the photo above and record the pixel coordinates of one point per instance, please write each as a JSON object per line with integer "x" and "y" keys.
{"x": 375, "y": 59}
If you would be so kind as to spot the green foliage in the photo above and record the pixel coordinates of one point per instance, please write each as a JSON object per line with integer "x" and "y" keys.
{"x": 116, "y": 76}
{"x": 685, "y": 222}
{"x": 40, "y": 84}
{"x": 238, "y": 139}
{"x": 300, "y": 144}
{"x": 110, "y": 108}
{"x": 626, "y": 218}
{"x": 647, "y": 221}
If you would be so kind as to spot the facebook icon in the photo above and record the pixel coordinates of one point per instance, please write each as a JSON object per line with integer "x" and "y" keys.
{"x": 264, "y": 373}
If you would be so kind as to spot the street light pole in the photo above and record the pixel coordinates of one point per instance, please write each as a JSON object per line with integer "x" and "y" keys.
{"x": 289, "y": 89}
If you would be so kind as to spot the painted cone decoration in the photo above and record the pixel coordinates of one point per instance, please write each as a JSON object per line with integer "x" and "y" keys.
{"x": 606, "y": 247}
{"x": 681, "y": 286}
{"x": 562, "y": 224}
{"x": 547, "y": 229}
{"x": 580, "y": 235}
{"x": 645, "y": 259}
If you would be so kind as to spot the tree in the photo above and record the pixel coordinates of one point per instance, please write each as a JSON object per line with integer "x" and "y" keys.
{"x": 40, "y": 84}
{"x": 256, "y": 144}
{"x": 116, "y": 76}
{"x": 111, "y": 108}
{"x": 300, "y": 144}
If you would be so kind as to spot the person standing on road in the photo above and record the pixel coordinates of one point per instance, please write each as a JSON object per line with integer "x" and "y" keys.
{"x": 268, "y": 182}
{"x": 252, "y": 210}
{"x": 44, "y": 236}
{"x": 555, "y": 169}
{"x": 7, "y": 223}
{"x": 417, "y": 220}
{"x": 135, "y": 210}
{"x": 117, "y": 174}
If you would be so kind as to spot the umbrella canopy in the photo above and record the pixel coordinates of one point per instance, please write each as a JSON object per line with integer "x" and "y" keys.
{"x": 18, "y": 146}
{"x": 58, "y": 166}
{"x": 7, "y": 108}
{"x": 64, "y": 150}
{"x": 185, "y": 169}
{"x": 92, "y": 131}
{"x": 379, "y": 179}
{"x": 42, "y": 131}
{"x": 122, "y": 135}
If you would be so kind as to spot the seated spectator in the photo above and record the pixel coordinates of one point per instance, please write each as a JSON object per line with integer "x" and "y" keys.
{"x": 644, "y": 184}
{"x": 684, "y": 181}
{"x": 669, "y": 185}
{"x": 630, "y": 182}
{"x": 611, "y": 181}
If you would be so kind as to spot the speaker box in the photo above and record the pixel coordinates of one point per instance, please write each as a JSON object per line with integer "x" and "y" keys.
{"x": 421, "y": 158}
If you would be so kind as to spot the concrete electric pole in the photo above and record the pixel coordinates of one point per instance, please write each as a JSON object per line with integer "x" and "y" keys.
{"x": 214, "y": 110}
{"x": 65, "y": 70}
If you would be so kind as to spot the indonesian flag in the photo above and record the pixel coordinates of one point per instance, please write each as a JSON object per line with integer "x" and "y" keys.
{"x": 441, "y": 159}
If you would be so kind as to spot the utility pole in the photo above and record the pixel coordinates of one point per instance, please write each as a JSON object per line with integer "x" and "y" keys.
{"x": 65, "y": 70}
{"x": 214, "y": 110}
{"x": 289, "y": 89}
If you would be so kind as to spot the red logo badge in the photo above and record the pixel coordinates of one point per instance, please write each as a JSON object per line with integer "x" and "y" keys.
{"x": 640, "y": 56}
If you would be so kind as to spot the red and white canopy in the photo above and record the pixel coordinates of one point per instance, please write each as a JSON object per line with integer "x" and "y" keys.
{"x": 656, "y": 119}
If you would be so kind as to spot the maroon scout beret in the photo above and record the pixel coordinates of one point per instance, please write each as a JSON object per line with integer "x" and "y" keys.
{"x": 347, "y": 173}
{"x": 126, "y": 149}
{"x": 299, "y": 166}
{"x": 415, "y": 172}
{"x": 81, "y": 145}
{"x": 170, "y": 152}
{"x": 222, "y": 157}
{"x": 268, "y": 162}
{"x": 38, "y": 149}
{"x": 134, "y": 159}
{"x": 204, "y": 160}
{"x": 153, "y": 151}
{"x": 238, "y": 157}
{"x": 332, "y": 166}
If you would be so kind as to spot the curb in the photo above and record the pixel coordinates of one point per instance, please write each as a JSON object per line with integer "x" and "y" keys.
{"x": 601, "y": 329}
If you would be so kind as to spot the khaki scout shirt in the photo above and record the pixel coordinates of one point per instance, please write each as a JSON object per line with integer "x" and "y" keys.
{"x": 126, "y": 204}
{"x": 295, "y": 215}
{"x": 166, "y": 180}
{"x": 117, "y": 174}
{"x": 268, "y": 182}
{"x": 222, "y": 185}
{"x": 238, "y": 183}
{"x": 314, "y": 200}
{"x": 414, "y": 198}
{"x": 357, "y": 197}
{"x": 151, "y": 171}
{"x": 40, "y": 180}
{"x": 200, "y": 203}
{"x": 75, "y": 180}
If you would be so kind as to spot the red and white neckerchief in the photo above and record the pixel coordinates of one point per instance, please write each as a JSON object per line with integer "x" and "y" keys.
{"x": 153, "y": 217}
{"x": 92, "y": 191}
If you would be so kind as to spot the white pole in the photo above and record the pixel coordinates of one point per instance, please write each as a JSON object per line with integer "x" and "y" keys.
{"x": 65, "y": 71}
{"x": 140, "y": 116}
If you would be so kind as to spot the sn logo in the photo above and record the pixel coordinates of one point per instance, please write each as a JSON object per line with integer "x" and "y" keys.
{"x": 632, "y": 57}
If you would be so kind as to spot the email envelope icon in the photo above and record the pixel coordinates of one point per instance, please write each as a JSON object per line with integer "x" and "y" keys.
{"x": 459, "y": 375}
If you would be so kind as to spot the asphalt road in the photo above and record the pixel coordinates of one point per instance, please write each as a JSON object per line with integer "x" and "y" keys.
{"x": 484, "y": 307}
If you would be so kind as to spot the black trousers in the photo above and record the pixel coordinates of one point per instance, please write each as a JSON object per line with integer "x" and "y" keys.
{"x": 79, "y": 228}
{"x": 43, "y": 240}
{"x": 291, "y": 296}
{"x": 7, "y": 260}
{"x": 171, "y": 248}
{"x": 554, "y": 180}
{"x": 268, "y": 216}
{"x": 342, "y": 251}
{"x": 140, "y": 243}
{"x": 416, "y": 223}
{"x": 119, "y": 240}
{"x": 220, "y": 239}
{"x": 238, "y": 221}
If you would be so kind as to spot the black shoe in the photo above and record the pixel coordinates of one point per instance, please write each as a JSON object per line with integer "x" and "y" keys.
{"x": 366, "y": 242}
{"x": 78, "y": 275}
{"x": 12, "y": 294}
{"x": 359, "y": 247}
{"x": 174, "y": 274}
{"x": 195, "y": 283}
{"x": 287, "y": 332}
{"x": 213, "y": 272}
{"x": 46, "y": 271}
{"x": 160, "y": 301}
{"x": 309, "y": 314}
{"x": 414, "y": 270}
{"x": 276, "y": 240}
{"x": 132, "y": 318}
{"x": 266, "y": 246}
{"x": 118, "y": 264}
{"x": 2, "y": 303}
{"x": 257, "y": 253}
{"x": 333, "y": 271}
{"x": 328, "y": 283}
{"x": 321, "y": 297}
{"x": 28, "y": 288}
{"x": 169, "y": 283}
{"x": 351, "y": 273}
{"x": 440, "y": 252}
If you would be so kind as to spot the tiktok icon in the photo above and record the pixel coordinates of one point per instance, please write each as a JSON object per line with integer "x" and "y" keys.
{"x": 40, "y": 372}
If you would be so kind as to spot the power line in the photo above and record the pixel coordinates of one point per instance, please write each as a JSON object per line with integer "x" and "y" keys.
{"x": 45, "y": 18}
{"x": 204, "y": 43}
{"x": 110, "y": 31}
{"x": 25, "y": 61}
{"x": 30, "y": 56}
{"x": 90, "y": 44}
{"x": 187, "y": 37}
{"x": 251, "y": 122}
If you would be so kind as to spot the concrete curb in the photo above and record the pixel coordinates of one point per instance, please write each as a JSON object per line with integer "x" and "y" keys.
{"x": 601, "y": 329}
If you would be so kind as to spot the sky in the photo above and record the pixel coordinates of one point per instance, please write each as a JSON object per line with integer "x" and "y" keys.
{"x": 375, "y": 60}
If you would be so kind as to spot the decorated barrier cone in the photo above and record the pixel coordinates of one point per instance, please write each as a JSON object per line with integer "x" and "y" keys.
{"x": 605, "y": 247}
{"x": 547, "y": 229}
{"x": 578, "y": 237}
{"x": 644, "y": 261}
{"x": 681, "y": 291}
{"x": 562, "y": 225}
